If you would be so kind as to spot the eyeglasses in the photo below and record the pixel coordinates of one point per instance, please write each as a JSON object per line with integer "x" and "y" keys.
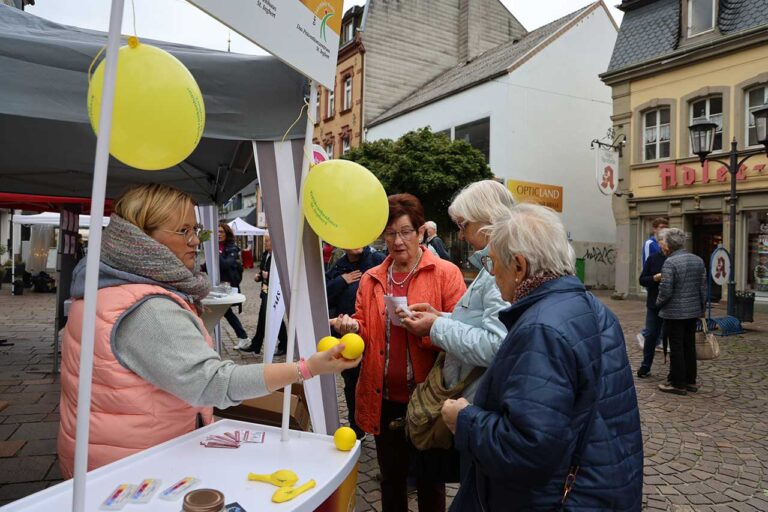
{"x": 188, "y": 233}
{"x": 405, "y": 234}
{"x": 487, "y": 263}
{"x": 462, "y": 225}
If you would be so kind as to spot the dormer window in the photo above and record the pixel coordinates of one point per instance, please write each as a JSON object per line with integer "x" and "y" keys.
{"x": 701, "y": 16}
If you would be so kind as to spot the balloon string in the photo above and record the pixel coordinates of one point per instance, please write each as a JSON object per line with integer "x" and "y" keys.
{"x": 301, "y": 113}
{"x": 133, "y": 7}
{"x": 90, "y": 68}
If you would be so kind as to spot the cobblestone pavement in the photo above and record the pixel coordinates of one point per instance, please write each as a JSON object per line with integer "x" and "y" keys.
{"x": 703, "y": 452}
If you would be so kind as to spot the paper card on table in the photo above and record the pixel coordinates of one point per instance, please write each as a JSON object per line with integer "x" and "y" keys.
{"x": 392, "y": 303}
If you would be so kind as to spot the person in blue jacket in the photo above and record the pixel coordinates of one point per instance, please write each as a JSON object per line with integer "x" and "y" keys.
{"x": 341, "y": 283}
{"x": 558, "y": 401}
{"x": 650, "y": 278}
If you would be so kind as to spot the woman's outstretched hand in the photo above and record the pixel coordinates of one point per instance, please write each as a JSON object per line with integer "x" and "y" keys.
{"x": 330, "y": 361}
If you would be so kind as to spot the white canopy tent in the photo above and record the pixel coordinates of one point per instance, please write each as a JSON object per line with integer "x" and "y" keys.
{"x": 52, "y": 219}
{"x": 242, "y": 228}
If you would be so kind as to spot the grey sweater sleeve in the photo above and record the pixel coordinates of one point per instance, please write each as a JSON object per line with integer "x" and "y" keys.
{"x": 163, "y": 344}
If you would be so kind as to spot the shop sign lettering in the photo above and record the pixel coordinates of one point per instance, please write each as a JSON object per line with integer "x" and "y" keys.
{"x": 671, "y": 178}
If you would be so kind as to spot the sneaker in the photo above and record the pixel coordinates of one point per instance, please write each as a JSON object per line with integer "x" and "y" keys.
{"x": 643, "y": 372}
{"x": 659, "y": 348}
{"x": 691, "y": 388}
{"x": 640, "y": 340}
{"x": 243, "y": 344}
{"x": 669, "y": 388}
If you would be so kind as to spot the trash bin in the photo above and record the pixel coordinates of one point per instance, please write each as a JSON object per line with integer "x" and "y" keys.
{"x": 580, "y": 268}
{"x": 745, "y": 306}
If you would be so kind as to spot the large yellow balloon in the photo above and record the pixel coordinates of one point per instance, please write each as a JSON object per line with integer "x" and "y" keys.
{"x": 158, "y": 116}
{"x": 345, "y": 204}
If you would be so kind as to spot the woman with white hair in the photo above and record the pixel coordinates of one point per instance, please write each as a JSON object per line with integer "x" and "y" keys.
{"x": 555, "y": 421}
{"x": 682, "y": 300}
{"x": 472, "y": 334}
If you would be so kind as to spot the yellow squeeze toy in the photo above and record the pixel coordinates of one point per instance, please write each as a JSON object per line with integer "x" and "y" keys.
{"x": 284, "y": 494}
{"x": 280, "y": 478}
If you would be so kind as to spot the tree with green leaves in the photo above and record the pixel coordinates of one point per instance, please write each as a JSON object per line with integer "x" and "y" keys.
{"x": 426, "y": 164}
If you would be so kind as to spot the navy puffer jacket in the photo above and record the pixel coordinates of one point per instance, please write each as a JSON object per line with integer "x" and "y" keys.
{"x": 564, "y": 350}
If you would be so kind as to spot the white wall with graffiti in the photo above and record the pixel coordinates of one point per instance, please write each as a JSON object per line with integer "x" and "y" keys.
{"x": 599, "y": 263}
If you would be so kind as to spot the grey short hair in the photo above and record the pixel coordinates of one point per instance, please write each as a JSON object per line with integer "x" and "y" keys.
{"x": 674, "y": 238}
{"x": 481, "y": 202}
{"x": 431, "y": 225}
{"x": 537, "y": 234}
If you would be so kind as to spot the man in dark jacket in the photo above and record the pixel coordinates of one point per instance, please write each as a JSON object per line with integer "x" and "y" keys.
{"x": 433, "y": 242}
{"x": 682, "y": 300}
{"x": 341, "y": 283}
{"x": 263, "y": 278}
{"x": 650, "y": 278}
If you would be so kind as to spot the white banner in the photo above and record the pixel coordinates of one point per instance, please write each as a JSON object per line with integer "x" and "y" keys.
{"x": 607, "y": 170}
{"x": 275, "y": 312}
{"x": 302, "y": 33}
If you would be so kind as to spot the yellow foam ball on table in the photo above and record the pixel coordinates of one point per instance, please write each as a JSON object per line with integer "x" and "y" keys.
{"x": 344, "y": 438}
{"x": 353, "y": 346}
{"x": 327, "y": 343}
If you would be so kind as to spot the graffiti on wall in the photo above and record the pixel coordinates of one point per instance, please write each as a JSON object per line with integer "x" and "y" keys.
{"x": 605, "y": 255}
{"x": 599, "y": 263}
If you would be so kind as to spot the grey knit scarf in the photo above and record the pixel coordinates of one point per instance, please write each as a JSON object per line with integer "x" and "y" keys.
{"x": 126, "y": 247}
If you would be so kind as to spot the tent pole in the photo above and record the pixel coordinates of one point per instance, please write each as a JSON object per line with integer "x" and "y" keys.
{"x": 13, "y": 255}
{"x": 298, "y": 256}
{"x": 94, "y": 255}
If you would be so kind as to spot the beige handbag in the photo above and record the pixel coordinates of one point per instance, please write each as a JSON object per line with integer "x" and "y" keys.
{"x": 707, "y": 346}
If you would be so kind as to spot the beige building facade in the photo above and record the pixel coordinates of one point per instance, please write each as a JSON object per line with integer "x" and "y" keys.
{"x": 714, "y": 66}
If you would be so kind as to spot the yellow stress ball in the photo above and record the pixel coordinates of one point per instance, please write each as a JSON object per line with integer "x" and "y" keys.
{"x": 353, "y": 346}
{"x": 327, "y": 343}
{"x": 344, "y": 438}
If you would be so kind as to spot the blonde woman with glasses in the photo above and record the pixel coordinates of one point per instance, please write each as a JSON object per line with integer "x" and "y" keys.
{"x": 395, "y": 360}
{"x": 155, "y": 373}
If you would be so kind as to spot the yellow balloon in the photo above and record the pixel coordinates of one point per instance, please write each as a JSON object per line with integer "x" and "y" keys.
{"x": 159, "y": 115}
{"x": 344, "y": 438}
{"x": 353, "y": 346}
{"x": 327, "y": 343}
{"x": 345, "y": 204}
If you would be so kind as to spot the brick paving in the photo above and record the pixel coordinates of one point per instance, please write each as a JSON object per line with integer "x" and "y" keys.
{"x": 703, "y": 452}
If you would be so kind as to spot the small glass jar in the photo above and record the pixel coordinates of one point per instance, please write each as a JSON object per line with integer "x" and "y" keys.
{"x": 203, "y": 500}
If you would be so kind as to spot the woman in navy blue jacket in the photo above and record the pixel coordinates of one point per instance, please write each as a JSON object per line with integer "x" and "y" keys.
{"x": 558, "y": 396}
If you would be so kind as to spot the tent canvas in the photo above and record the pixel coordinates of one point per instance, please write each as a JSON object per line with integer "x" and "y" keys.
{"x": 242, "y": 228}
{"x": 43, "y": 112}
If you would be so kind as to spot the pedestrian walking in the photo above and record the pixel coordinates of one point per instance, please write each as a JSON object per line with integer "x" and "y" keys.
{"x": 650, "y": 278}
{"x": 682, "y": 301}
{"x": 650, "y": 247}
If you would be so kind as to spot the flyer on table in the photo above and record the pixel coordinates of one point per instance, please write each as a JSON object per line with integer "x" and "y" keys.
{"x": 303, "y": 33}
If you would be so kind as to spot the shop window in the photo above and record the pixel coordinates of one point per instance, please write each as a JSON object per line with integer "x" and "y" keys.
{"x": 477, "y": 133}
{"x": 756, "y": 98}
{"x": 329, "y": 149}
{"x": 710, "y": 109}
{"x": 656, "y": 134}
{"x": 330, "y": 104}
{"x": 757, "y": 251}
{"x": 345, "y": 145}
{"x": 348, "y": 93}
{"x": 701, "y": 16}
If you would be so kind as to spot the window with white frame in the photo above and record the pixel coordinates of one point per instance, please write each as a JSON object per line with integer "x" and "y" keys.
{"x": 329, "y": 149}
{"x": 349, "y": 31}
{"x": 345, "y": 145}
{"x": 331, "y": 107}
{"x": 756, "y": 98}
{"x": 348, "y": 93}
{"x": 701, "y": 16}
{"x": 656, "y": 134}
{"x": 317, "y": 110}
{"x": 710, "y": 109}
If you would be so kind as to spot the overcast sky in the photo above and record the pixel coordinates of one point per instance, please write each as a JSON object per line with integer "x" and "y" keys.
{"x": 180, "y": 22}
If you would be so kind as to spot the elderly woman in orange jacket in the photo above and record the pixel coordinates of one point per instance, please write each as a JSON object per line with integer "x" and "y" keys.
{"x": 395, "y": 360}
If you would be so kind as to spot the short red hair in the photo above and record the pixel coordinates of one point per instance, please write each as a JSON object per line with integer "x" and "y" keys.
{"x": 406, "y": 204}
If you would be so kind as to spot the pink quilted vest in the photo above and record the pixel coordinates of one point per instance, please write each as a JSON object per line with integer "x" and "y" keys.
{"x": 128, "y": 414}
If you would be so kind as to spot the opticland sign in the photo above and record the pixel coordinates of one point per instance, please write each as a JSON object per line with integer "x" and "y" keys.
{"x": 539, "y": 193}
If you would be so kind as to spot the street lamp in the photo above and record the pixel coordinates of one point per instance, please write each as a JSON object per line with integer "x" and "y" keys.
{"x": 702, "y": 141}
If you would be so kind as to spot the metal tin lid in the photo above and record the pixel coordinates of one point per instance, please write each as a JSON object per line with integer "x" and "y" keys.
{"x": 203, "y": 500}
